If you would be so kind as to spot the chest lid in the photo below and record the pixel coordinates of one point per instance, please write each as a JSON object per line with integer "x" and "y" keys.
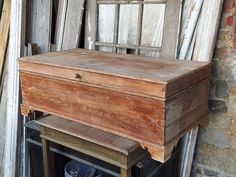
{"x": 151, "y": 77}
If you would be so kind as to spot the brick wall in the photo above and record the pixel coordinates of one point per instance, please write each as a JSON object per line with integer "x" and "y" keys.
{"x": 216, "y": 148}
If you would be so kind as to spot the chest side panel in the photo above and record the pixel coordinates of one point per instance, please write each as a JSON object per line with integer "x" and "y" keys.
{"x": 135, "y": 117}
{"x": 186, "y": 110}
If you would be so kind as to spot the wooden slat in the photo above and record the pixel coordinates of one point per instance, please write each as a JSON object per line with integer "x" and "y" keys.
{"x": 39, "y": 24}
{"x": 189, "y": 23}
{"x": 189, "y": 142}
{"x": 60, "y": 23}
{"x": 171, "y": 28}
{"x": 32, "y": 125}
{"x": 69, "y": 22}
{"x": 32, "y": 49}
{"x": 90, "y": 24}
{"x": 4, "y": 30}
{"x": 3, "y": 120}
{"x": 73, "y": 24}
{"x": 44, "y": 18}
{"x": 207, "y": 30}
{"x": 16, "y": 49}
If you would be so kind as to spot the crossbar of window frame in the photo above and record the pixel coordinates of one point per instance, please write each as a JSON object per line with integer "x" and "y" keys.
{"x": 130, "y": 2}
{"x": 127, "y": 46}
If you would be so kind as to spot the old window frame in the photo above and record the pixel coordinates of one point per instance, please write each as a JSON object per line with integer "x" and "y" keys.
{"x": 170, "y": 28}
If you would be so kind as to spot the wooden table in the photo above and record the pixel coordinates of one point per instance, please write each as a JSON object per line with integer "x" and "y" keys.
{"x": 108, "y": 147}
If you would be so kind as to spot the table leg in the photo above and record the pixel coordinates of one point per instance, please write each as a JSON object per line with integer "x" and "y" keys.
{"x": 47, "y": 162}
{"x": 26, "y": 166}
{"x": 125, "y": 172}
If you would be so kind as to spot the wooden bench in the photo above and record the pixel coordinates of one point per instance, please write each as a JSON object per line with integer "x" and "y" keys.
{"x": 107, "y": 147}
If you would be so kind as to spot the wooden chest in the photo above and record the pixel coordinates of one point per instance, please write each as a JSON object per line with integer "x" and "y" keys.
{"x": 149, "y": 100}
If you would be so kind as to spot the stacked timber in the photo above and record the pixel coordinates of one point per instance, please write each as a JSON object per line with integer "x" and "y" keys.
{"x": 152, "y": 101}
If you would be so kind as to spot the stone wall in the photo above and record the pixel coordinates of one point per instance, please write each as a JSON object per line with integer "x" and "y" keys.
{"x": 216, "y": 149}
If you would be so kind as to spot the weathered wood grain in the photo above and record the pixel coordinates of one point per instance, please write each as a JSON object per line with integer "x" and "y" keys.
{"x": 43, "y": 28}
{"x": 4, "y": 30}
{"x": 207, "y": 30}
{"x": 107, "y": 147}
{"x": 70, "y": 100}
{"x": 3, "y": 112}
{"x": 39, "y": 24}
{"x": 186, "y": 102}
{"x": 186, "y": 122}
{"x": 60, "y": 23}
{"x": 119, "y": 84}
{"x": 69, "y": 22}
{"x": 191, "y": 11}
{"x": 114, "y": 93}
{"x": 90, "y": 25}
{"x": 87, "y": 133}
{"x": 171, "y": 28}
{"x": 17, "y": 38}
{"x": 204, "y": 42}
{"x": 99, "y": 68}
{"x": 73, "y": 24}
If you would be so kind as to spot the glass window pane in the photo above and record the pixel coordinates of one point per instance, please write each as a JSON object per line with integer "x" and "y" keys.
{"x": 128, "y": 24}
{"x": 106, "y": 19}
{"x": 152, "y": 30}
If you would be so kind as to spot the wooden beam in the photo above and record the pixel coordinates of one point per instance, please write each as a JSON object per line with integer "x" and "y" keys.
{"x": 90, "y": 24}
{"x": 207, "y": 30}
{"x": 189, "y": 143}
{"x": 3, "y": 107}
{"x": 4, "y": 30}
{"x": 16, "y": 39}
{"x": 171, "y": 28}
{"x": 43, "y": 28}
{"x": 60, "y": 23}
{"x": 69, "y": 22}
{"x": 189, "y": 24}
{"x": 39, "y": 21}
{"x": 73, "y": 23}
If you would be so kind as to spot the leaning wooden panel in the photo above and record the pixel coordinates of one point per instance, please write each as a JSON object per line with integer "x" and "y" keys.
{"x": 152, "y": 101}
